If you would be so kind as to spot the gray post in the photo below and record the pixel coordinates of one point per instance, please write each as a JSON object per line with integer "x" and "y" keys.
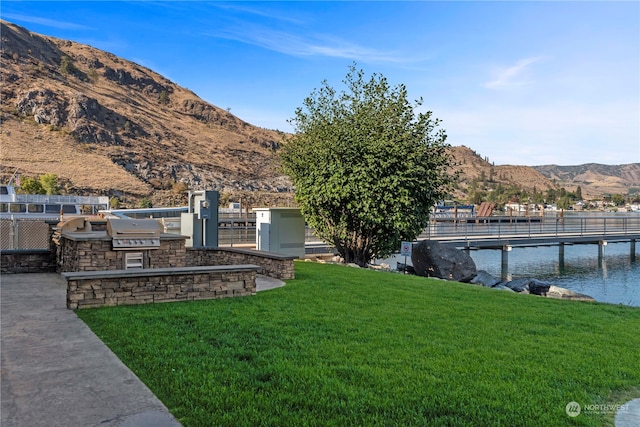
{"x": 601, "y": 245}
{"x": 632, "y": 250}
{"x": 561, "y": 255}
{"x": 504, "y": 270}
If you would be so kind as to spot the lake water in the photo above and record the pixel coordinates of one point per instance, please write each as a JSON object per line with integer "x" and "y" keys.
{"x": 614, "y": 279}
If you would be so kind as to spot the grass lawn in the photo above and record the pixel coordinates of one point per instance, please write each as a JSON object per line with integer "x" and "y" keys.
{"x": 341, "y": 346}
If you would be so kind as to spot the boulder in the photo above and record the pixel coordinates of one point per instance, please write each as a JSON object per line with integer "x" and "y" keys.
{"x": 431, "y": 259}
{"x": 485, "y": 279}
{"x": 519, "y": 285}
{"x": 406, "y": 268}
{"x": 562, "y": 293}
{"x": 382, "y": 266}
{"x": 538, "y": 287}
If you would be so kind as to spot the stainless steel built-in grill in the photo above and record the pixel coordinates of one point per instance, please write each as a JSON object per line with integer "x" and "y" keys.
{"x": 131, "y": 234}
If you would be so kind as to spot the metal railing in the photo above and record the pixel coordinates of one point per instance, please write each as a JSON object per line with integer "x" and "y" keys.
{"x": 60, "y": 199}
{"x": 486, "y": 228}
{"x": 568, "y": 225}
{"x": 237, "y": 235}
{"x": 236, "y": 229}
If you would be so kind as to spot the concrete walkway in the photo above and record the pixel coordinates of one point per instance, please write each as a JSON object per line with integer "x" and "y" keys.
{"x": 264, "y": 283}
{"x": 630, "y": 415}
{"x": 56, "y": 372}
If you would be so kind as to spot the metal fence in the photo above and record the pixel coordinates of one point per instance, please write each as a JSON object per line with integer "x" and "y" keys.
{"x": 24, "y": 234}
{"x": 237, "y": 235}
{"x": 496, "y": 227}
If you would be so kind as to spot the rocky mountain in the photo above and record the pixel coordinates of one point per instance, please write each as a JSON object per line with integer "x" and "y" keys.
{"x": 595, "y": 179}
{"x": 476, "y": 170}
{"x": 108, "y": 126}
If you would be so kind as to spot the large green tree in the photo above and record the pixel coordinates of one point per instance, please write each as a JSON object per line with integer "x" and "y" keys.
{"x": 367, "y": 167}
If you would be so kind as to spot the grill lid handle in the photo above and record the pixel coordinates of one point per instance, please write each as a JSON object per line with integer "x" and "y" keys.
{"x": 137, "y": 232}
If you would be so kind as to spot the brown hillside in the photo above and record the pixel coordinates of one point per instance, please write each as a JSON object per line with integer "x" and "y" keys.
{"x": 474, "y": 168}
{"x": 596, "y": 179}
{"x": 109, "y": 126}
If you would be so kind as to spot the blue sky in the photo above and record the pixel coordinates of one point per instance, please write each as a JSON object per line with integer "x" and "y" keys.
{"x": 527, "y": 83}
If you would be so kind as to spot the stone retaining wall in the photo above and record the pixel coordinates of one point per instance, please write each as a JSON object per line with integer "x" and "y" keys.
{"x": 125, "y": 287}
{"x": 27, "y": 261}
{"x": 271, "y": 264}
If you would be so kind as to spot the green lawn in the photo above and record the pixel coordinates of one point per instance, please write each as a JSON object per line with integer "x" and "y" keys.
{"x": 341, "y": 346}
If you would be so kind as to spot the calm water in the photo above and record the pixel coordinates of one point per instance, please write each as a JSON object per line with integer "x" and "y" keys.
{"x": 614, "y": 280}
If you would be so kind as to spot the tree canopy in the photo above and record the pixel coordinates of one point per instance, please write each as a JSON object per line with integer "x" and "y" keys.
{"x": 45, "y": 184}
{"x": 367, "y": 167}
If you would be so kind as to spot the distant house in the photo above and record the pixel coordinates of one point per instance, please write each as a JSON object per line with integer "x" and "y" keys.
{"x": 527, "y": 208}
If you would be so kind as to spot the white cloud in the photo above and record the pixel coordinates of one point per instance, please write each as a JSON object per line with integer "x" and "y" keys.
{"x": 513, "y": 75}
{"x": 264, "y": 13}
{"x": 46, "y": 22}
{"x": 294, "y": 45}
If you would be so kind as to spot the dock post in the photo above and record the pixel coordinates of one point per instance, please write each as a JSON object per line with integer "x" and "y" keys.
{"x": 632, "y": 250}
{"x": 601, "y": 245}
{"x": 561, "y": 255}
{"x": 504, "y": 270}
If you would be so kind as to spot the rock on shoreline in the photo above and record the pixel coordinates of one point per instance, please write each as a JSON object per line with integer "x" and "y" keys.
{"x": 529, "y": 286}
{"x": 431, "y": 259}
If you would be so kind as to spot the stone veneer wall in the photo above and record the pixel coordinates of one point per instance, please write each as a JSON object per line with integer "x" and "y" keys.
{"x": 125, "y": 287}
{"x": 30, "y": 260}
{"x": 27, "y": 261}
{"x": 78, "y": 254}
{"x": 96, "y": 276}
{"x": 271, "y": 264}
{"x": 97, "y": 255}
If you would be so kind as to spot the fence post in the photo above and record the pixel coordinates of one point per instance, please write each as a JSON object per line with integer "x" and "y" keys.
{"x": 15, "y": 239}
{"x": 231, "y": 230}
